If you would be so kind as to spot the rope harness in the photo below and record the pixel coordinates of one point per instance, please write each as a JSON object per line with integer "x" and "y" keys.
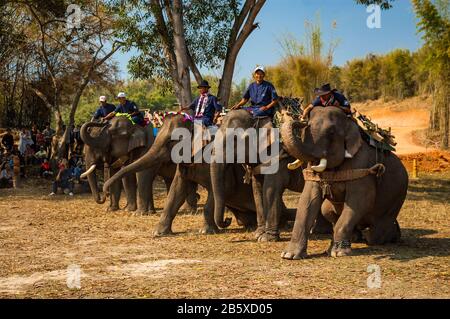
{"x": 327, "y": 179}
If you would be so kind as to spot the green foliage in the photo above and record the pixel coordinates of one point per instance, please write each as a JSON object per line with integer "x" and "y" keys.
{"x": 207, "y": 25}
{"x": 389, "y": 76}
{"x": 144, "y": 93}
{"x": 434, "y": 25}
{"x": 384, "y": 4}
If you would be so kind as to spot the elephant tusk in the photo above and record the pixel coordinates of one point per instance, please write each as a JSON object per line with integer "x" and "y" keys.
{"x": 88, "y": 172}
{"x": 347, "y": 154}
{"x": 294, "y": 165}
{"x": 321, "y": 167}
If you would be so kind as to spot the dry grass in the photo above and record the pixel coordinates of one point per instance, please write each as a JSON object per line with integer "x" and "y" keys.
{"x": 40, "y": 237}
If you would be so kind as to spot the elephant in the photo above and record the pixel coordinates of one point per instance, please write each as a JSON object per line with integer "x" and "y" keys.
{"x": 238, "y": 196}
{"x": 354, "y": 185}
{"x": 114, "y": 144}
{"x": 267, "y": 188}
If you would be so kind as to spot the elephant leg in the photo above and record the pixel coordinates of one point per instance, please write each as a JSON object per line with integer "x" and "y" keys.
{"x": 129, "y": 184}
{"x": 330, "y": 213}
{"x": 168, "y": 182}
{"x": 322, "y": 226}
{"x": 307, "y": 211}
{"x": 209, "y": 226}
{"x": 360, "y": 200}
{"x": 272, "y": 199}
{"x": 385, "y": 228}
{"x": 190, "y": 206}
{"x": 115, "y": 190}
{"x": 175, "y": 198}
{"x": 145, "y": 191}
{"x": 257, "y": 185}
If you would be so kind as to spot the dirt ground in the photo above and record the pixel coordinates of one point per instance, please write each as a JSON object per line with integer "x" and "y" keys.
{"x": 405, "y": 118}
{"x": 42, "y": 239}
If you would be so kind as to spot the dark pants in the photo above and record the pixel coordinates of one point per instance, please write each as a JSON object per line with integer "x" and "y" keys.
{"x": 63, "y": 185}
{"x": 256, "y": 112}
{"x": 138, "y": 119}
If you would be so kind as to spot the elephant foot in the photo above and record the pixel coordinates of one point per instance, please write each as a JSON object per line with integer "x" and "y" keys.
{"x": 259, "y": 232}
{"x": 131, "y": 208}
{"x": 111, "y": 209}
{"x": 269, "y": 237}
{"x": 294, "y": 252}
{"x": 341, "y": 249}
{"x": 209, "y": 230}
{"x": 162, "y": 231}
{"x": 140, "y": 212}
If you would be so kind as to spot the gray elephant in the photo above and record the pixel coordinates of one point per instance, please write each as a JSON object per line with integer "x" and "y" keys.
{"x": 238, "y": 196}
{"x": 354, "y": 185}
{"x": 268, "y": 189}
{"x": 114, "y": 144}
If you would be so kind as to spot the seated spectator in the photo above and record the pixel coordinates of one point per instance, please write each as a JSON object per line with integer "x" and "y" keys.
{"x": 72, "y": 161}
{"x": 40, "y": 155}
{"x": 64, "y": 179}
{"x": 76, "y": 172}
{"x": 45, "y": 170}
{"x": 6, "y": 176}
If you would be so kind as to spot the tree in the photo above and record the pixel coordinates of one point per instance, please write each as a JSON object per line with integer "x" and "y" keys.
{"x": 434, "y": 24}
{"x": 177, "y": 38}
{"x": 68, "y": 58}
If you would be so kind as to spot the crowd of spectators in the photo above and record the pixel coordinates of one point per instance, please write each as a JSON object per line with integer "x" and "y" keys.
{"x": 32, "y": 149}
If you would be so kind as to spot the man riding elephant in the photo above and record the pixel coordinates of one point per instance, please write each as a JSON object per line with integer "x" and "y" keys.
{"x": 325, "y": 96}
{"x": 103, "y": 110}
{"x": 128, "y": 107}
{"x": 262, "y": 96}
{"x": 205, "y": 107}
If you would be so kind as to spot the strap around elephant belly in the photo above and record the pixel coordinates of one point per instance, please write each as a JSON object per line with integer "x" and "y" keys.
{"x": 344, "y": 175}
{"x": 326, "y": 179}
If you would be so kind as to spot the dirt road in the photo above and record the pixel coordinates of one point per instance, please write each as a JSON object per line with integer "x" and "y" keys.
{"x": 403, "y": 117}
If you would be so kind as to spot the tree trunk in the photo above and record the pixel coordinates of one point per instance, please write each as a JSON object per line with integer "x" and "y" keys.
{"x": 181, "y": 54}
{"x": 243, "y": 26}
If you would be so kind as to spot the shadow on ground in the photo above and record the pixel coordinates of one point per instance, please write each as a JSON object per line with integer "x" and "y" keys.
{"x": 412, "y": 245}
{"x": 429, "y": 189}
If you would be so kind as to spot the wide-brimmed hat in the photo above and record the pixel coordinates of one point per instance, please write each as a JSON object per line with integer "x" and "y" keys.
{"x": 324, "y": 89}
{"x": 203, "y": 84}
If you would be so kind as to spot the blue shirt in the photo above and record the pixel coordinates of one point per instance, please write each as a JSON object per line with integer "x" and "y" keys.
{"x": 336, "y": 99}
{"x": 129, "y": 107}
{"x": 207, "y": 110}
{"x": 104, "y": 111}
{"x": 261, "y": 95}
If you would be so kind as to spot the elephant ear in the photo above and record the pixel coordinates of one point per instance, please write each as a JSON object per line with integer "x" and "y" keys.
{"x": 353, "y": 140}
{"x": 137, "y": 138}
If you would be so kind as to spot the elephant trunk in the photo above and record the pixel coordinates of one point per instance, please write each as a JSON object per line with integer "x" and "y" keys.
{"x": 94, "y": 142}
{"x": 156, "y": 155}
{"x": 291, "y": 134}
{"x": 92, "y": 179}
{"x": 218, "y": 188}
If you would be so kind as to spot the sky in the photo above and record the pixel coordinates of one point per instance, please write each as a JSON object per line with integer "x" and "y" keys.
{"x": 356, "y": 39}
